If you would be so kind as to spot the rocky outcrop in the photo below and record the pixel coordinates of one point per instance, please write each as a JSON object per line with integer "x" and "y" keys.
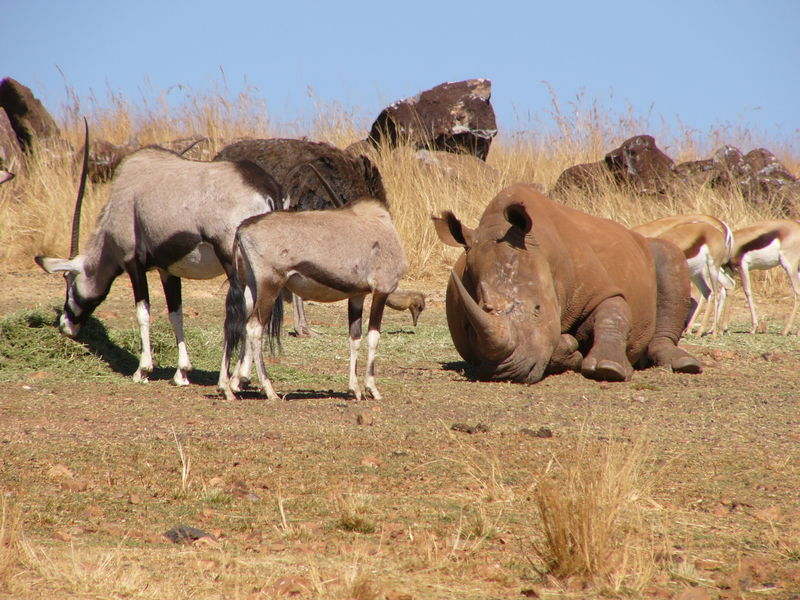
{"x": 29, "y": 118}
{"x": 452, "y": 117}
{"x": 638, "y": 166}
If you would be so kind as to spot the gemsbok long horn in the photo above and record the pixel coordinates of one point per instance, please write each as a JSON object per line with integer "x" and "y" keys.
{"x": 76, "y": 215}
{"x": 192, "y": 145}
{"x": 336, "y": 200}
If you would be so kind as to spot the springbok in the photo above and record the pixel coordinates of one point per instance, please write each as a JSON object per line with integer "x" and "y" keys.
{"x": 168, "y": 213}
{"x": 762, "y": 246}
{"x": 356, "y": 251}
{"x": 707, "y": 244}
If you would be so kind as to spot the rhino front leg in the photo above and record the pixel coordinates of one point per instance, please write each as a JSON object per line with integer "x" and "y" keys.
{"x": 566, "y": 356}
{"x": 672, "y": 303}
{"x": 607, "y": 360}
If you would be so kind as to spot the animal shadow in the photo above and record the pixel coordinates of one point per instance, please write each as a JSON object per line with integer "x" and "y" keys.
{"x": 94, "y": 337}
{"x": 462, "y": 368}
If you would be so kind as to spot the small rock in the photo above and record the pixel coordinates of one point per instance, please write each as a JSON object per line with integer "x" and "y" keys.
{"x": 216, "y": 482}
{"x": 771, "y": 514}
{"x": 75, "y": 485}
{"x": 365, "y": 417}
{"x": 370, "y": 461}
{"x": 183, "y": 534}
{"x": 62, "y": 536}
{"x": 695, "y": 593}
{"x": 94, "y": 512}
{"x": 60, "y": 472}
{"x": 290, "y": 586}
{"x": 773, "y": 356}
{"x": 471, "y": 429}
{"x": 542, "y": 432}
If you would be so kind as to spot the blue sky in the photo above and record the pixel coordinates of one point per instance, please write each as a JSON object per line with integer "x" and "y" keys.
{"x": 699, "y": 64}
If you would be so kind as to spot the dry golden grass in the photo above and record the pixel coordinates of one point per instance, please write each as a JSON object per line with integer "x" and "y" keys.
{"x": 10, "y": 539}
{"x": 36, "y": 207}
{"x": 592, "y": 508}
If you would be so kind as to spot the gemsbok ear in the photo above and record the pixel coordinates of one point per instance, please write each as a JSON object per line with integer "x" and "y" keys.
{"x": 451, "y": 231}
{"x": 60, "y": 265}
{"x": 518, "y": 216}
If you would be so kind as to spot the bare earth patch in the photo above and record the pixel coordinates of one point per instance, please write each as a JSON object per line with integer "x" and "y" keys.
{"x": 430, "y": 493}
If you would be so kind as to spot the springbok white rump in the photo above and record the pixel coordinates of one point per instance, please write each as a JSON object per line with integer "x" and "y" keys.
{"x": 168, "y": 213}
{"x": 326, "y": 256}
{"x": 764, "y": 245}
{"x": 707, "y": 244}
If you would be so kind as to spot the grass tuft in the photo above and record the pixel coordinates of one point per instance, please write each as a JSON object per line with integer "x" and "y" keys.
{"x": 591, "y": 509}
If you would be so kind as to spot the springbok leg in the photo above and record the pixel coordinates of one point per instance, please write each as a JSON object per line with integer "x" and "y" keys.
{"x": 794, "y": 280}
{"x": 744, "y": 273}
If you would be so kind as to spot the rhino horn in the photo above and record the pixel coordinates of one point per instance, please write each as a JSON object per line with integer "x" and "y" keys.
{"x": 492, "y": 331}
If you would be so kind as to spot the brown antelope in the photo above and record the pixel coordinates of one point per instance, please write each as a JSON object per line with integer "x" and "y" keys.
{"x": 168, "y": 213}
{"x": 706, "y": 243}
{"x": 355, "y": 251}
{"x": 762, "y": 246}
{"x": 412, "y": 301}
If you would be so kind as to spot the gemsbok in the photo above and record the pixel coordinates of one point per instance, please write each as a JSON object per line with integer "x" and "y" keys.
{"x": 168, "y": 213}
{"x": 707, "y": 243}
{"x": 354, "y": 251}
{"x": 762, "y": 246}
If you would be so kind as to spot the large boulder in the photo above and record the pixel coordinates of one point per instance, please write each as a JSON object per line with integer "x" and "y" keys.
{"x": 587, "y": 178}
{"x": 104, "y": 158}
{"x": 639, "y": 165}
{"x": 293, "y": 164}
{"x": 730, "y": 168}
{"x": 695, "y": 173}
{"x": 453, "y": 117}
{"x": 29, "y": 118}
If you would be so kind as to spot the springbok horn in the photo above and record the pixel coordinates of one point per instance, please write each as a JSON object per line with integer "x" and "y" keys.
{"x": 336, "y": 200}
{"x": 192, "y": 145}
{"x": 76, "y": 216}
{"x": 493, "y": 333}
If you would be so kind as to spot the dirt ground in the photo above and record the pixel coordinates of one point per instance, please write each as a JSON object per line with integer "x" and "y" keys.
{"x": 322, "y": 496}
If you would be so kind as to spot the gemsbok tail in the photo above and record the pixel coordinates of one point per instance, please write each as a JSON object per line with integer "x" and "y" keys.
{"x": 238, "y": 307}
{"x": 235, "y": 307}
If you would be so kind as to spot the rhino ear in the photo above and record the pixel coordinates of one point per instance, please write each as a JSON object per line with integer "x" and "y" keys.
{"x": 518, "y": 216}
{"x": 451, "y": 231}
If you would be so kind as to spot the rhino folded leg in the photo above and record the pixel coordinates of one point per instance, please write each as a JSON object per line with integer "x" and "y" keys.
{"x": 607, "y": 360}
{"x": 664, "y": 353}
{"x": 566, "y": 356}
{"x": 671, "y": 308}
